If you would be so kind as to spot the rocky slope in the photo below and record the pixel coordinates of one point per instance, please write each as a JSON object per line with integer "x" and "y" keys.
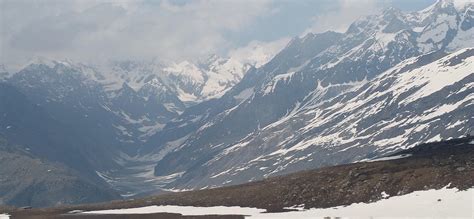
{"x": 26, "y": 123}
{"x": 27, "y": 180}
{"x": 33, "y": 142}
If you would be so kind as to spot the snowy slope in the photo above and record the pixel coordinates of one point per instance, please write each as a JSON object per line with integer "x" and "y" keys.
{"x": 332, "y": 98}
{"x": 398, "y": 109}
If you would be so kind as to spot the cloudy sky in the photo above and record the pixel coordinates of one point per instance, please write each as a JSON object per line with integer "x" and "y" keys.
{"x": 172, "y": 30}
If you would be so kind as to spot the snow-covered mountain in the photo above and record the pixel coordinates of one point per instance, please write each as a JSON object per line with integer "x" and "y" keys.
{"x": 143, "y": 95}
{"x": 190, "y": 82}
{"x": 332, "y": 98}
{"x": 206, "y": 80}
{"x": 392, "y": 80}
{"x": 3, "y": 73}
{"x": 396, "y": 110}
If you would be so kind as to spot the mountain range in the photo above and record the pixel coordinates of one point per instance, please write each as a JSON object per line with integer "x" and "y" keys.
{"x": 390, "y": 81}
{"x": 132, "y": 128}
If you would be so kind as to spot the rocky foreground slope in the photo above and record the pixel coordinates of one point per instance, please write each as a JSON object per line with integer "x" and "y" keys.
{"x": 427, "y": 166}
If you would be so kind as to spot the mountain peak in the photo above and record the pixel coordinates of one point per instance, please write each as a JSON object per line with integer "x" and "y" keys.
{"x": 391, "y": 11}
{"x": 2, "y": 68}
{"x": 458, "y": 4}
{"x": 444, "y": 3}
{"x": 48, "y": 62}
{"x": 441, "y": 6}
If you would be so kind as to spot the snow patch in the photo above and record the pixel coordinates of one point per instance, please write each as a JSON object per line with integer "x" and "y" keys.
{"x": 390, "y": 158}
{"x": 441, "y": 203}
{"x": 446, "y": 108}
{"x": 185, "y": 210}
{"x": 435, "y": 138}
{"x": 245, "y": 94}
{"x": 281, "y": 77}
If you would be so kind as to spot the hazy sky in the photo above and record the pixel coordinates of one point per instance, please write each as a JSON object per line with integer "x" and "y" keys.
{"x": 91, "y": 30}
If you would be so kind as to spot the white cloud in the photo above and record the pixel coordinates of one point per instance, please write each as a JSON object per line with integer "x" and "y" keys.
{"x": 91, "y": 30}
{"x": 170, "y": 30}
{"x": 346, "y": 11}
{"x": 258, "y": 53}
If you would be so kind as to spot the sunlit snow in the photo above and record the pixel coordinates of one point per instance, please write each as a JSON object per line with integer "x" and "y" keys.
{"x": 396, "y": 157}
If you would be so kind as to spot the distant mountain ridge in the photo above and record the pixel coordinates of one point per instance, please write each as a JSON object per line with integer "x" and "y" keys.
{"x": 148, "y": 94}
{"x": 191, "y": 82}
